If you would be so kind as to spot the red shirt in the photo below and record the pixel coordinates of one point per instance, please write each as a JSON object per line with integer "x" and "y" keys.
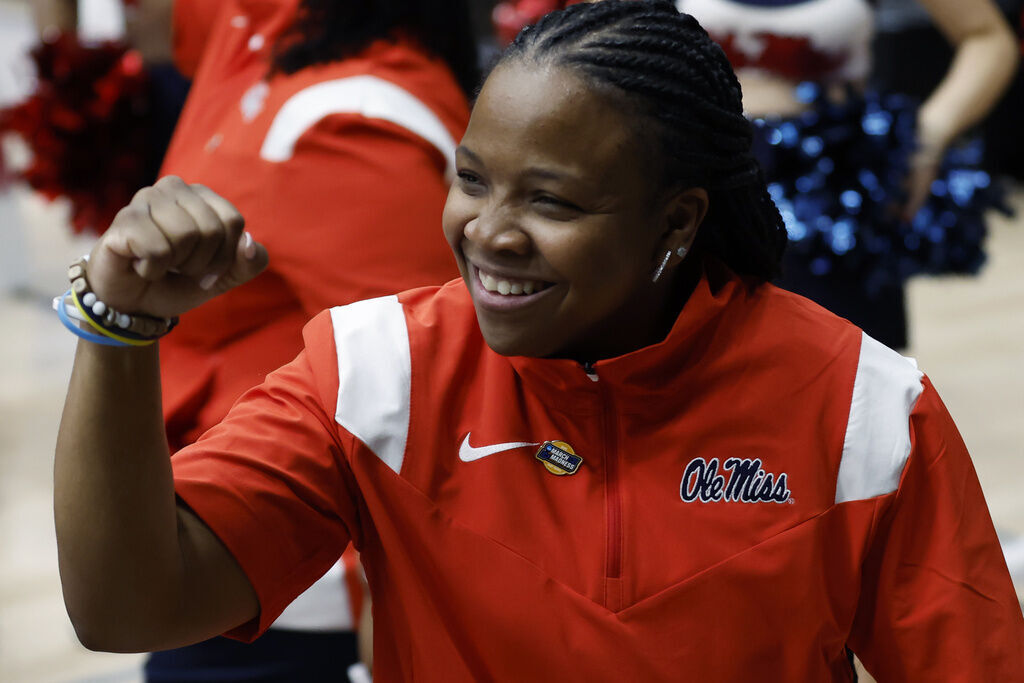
{"x": 763, "y": 488}
{"x": 339, "y": 169}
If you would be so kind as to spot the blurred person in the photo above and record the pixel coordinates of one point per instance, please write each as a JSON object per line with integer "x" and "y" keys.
{"x": 612, "y": 450}
{"x": 332, "y": 125}
{"x": 855, "y": 173}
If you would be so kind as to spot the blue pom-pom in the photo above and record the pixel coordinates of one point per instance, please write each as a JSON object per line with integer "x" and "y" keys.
{"x": 837, "y": 173}
{"x": 820, "y": 266}
{"x": 807, "y": 92}
{"x": 812, "y": 146}
{"x": 851, "y": 199}
{"x": 877, "y": 123}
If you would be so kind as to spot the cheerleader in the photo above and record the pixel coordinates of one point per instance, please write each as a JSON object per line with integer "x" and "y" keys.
{"x": 868, "y": 184}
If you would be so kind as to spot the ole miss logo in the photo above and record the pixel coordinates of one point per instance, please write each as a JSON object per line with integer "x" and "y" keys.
{"x": 742, "y": 480}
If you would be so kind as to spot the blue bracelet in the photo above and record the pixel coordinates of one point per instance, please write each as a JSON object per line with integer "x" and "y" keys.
{"x": 60, "y": 304}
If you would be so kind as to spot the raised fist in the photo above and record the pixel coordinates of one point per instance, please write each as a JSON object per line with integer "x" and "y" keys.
{"x": 173, "y": 248}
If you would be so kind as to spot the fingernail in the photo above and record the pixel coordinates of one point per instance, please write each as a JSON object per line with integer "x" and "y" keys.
{"x": 208, "y": 281}
{"x": 250, "y": 247}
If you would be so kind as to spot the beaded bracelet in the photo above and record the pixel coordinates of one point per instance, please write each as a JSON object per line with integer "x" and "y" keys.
{"x": 124, "y": 329}
{"x": 61, "y": 305}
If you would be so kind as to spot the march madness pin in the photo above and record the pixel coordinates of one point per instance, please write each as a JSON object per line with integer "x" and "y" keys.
{"x": 559, "y": 458}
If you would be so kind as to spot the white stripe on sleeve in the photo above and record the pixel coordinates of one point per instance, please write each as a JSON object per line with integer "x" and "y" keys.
{"x": 369, "y": 96}
{"x": 877, "y": 442}
{"x": 374, "y": 373}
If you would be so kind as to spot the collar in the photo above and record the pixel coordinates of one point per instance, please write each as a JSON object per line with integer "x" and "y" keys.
{"x": 648, "y": 373}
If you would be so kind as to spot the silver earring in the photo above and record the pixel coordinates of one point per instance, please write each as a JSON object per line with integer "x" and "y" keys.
{"x": 681, "y": 252}
{"x": 661, "y": 268}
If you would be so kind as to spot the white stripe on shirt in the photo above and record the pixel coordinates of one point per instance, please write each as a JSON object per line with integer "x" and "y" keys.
{"x": 369, "y": 96}
{"x": 877, "y": 442}
{"x": 374, "y": 374}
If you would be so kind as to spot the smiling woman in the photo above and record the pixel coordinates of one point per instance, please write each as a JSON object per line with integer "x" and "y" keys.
{"x": 555, "y": 225}
{"x": 610, "y": 451}
{"x": 587, "y": 167}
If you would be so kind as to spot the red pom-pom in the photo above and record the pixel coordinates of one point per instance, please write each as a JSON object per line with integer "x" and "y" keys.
{"x": 87, "y": 125}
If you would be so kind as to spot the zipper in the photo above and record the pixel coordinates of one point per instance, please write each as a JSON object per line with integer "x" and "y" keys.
{"x": 613, "y": 495}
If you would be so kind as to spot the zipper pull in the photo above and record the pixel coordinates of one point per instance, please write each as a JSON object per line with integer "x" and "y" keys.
{"x": 591, "y": 371}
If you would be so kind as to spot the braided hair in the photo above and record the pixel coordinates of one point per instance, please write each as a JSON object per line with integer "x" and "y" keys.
{"x": 329, "y": 30}
{"x": 663, "y": 66}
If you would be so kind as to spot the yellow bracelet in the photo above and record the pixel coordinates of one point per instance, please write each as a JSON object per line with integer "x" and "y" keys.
{"x": 88, "y": 317}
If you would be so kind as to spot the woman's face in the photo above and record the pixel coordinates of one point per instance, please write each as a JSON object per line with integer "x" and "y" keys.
{"x": 555, "y": 219}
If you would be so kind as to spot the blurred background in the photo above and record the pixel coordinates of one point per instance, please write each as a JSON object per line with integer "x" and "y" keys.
{"x": 966, "y": 332}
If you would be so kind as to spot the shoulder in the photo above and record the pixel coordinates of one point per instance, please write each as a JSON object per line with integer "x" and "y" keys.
{"x": 374, "y": 346}
{"x": 391, "y": 86}
{"x": 789, "y": 328}
{"x": 192, "y": 24}
{"x": 886, "y": 390}
{"x": 867, "y": 390}
{"x": 379, "y": 330}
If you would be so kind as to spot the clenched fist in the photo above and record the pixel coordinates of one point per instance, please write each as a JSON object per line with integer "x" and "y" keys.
{"x": 173, "y": 248}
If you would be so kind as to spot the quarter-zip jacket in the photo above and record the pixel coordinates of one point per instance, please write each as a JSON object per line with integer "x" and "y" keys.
{"x": 762, "y": 489}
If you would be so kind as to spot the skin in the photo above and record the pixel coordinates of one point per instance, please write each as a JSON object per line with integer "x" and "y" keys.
{"x": 984, "y": 63}
{"x": 554, "y": 186}
{"x": 55, "y": 15}
{"x": 140, "y": 572}
{"x": 147, "y": 24}
{"x": 551, "y": 187}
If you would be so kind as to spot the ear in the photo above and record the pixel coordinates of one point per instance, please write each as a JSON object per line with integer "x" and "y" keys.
{"x": 683, "y": 214}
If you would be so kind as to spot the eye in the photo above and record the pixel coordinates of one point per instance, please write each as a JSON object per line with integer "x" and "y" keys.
{"x": 555, "y": 201}
{"x": 556, "y": 208}
{"x": 469, "y": 178}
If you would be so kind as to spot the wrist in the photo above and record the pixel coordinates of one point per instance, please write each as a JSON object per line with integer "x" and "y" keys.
{"x": 100, "y": 323}
{"x": 934, "y": 133}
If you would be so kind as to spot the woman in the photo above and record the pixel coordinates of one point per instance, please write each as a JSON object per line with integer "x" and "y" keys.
{"x": 611, "y": 451}
{"x": 851, "y": 190}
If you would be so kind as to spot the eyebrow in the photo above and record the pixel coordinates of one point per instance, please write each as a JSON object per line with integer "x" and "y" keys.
{"x": 533, "y": 170}
{"x": 472, "y": 157}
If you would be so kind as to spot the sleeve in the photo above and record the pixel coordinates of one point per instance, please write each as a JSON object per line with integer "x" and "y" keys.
{"x": 272, "y": 480}
{"x": 192, "y": 23}
{"x": 365, "y": 197}
{"x": 937, "y": 602}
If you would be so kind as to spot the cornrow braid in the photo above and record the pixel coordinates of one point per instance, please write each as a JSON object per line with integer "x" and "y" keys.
{"x": 663, "y": 64}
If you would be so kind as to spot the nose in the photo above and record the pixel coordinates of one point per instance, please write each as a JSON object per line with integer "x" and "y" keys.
{"x": 497, "y": 229}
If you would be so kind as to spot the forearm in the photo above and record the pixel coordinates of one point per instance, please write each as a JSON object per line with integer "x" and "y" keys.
{"x": 60, "y": 15}
{"x": 114, "y": 504}
{"x": 982, "y": 67}
{"x": 139, "y": 571}
{"x": 149, "y": 29}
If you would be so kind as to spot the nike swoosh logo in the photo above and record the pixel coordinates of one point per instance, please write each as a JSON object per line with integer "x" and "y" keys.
{"x": 468, "y": 454}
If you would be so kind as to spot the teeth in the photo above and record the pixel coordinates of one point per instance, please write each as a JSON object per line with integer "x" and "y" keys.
{"x": 509, "y": 287}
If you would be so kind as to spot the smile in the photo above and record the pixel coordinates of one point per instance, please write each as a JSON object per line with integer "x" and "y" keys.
{"x": 502, "y": 292}
{"x": 510, "y": 287}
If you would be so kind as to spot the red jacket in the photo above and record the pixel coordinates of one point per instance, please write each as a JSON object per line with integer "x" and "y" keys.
{"x": 754, "y": 494}
{"x": 339, "y": 169}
